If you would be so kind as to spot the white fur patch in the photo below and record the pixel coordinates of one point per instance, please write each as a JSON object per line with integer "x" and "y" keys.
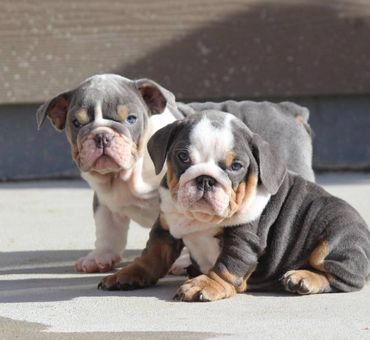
{"x": 208, "y": 146}
{"x": 99, "y": 120}
{"x": 209, "y": 143}
{"x": 204, "y": 248}
{"x": 208, "y": 169}
{"x": 147, "y": 179}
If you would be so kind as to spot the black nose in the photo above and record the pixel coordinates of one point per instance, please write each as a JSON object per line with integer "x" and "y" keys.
{"x": 102, "y": 140}
{"x": 205, "y": 183}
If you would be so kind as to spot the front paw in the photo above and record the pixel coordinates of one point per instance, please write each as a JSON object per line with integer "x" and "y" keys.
{"x": 97, "y": 261}
{"x": 202, "y": 289}
{"x": 128, "y": 278}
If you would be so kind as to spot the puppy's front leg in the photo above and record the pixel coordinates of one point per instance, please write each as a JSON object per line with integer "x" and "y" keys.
{"x": 111, "y": 239}
{"x": 161, "y": 251}
{"x": 237, "y": 261}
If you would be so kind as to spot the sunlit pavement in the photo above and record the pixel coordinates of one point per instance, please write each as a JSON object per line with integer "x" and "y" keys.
{"x": 45, "y": 226}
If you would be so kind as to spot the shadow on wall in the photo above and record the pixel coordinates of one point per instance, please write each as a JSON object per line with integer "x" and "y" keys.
{"x": 302, "y": 51}
{"x": 281, "y": 48}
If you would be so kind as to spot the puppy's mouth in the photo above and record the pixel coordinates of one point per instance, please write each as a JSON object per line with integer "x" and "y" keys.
{"x": 105, "y": 164}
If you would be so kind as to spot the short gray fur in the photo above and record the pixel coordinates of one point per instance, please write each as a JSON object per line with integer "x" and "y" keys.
{"x": 293, "y": 224}
{"x": 298, "y": 218}
{"x": 269, "y": 120}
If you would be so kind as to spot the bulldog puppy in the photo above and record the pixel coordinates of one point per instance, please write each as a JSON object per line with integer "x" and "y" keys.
{"x": 246, "y": 221}
{"x": 108, "y": 120}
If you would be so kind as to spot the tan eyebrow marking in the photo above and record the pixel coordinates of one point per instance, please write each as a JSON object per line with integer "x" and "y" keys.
{"x": 229, "y": 158}
{"x": 82, "y": 116}
{"x": 122, "y": 112}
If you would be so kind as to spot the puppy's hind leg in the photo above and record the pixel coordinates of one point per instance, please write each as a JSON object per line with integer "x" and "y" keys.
{"x": 347, "y": 260}
{"x": 338, "y": 264}
{"x": 307, "y": 281}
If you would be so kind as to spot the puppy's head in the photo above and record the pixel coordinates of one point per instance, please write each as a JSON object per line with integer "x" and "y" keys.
{"x": 105, "y": 118}
{"x": 215, "y": 165}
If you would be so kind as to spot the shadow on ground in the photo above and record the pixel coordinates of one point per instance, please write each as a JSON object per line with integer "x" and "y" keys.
{"x": 40, "y": 276}
{"x": 12, "y": 329}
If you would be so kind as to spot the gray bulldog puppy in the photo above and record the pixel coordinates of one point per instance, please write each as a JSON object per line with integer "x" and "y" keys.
{"x": 108, "y": 120}
{"x": 247, "y": 221}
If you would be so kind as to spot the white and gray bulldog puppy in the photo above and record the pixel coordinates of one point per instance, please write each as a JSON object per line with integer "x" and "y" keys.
{"x": 248, "y": 223}
{"x": 108, "y": 120}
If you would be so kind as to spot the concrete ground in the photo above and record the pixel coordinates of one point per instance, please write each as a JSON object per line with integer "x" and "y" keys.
{"x": 45, "y": 226}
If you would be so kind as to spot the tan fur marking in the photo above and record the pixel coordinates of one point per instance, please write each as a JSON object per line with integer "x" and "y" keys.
{"x": 82, "y": 116}
{"x": 156, "y": 261}
{"x": 142, "y": 142}
{"x": 316, "y": 259}
{"x": 172, "y": 182}
{"x": 243, "y": 193}
{"x": 163, "y": 222}
{"x": 229, "y": 158}
{"x": 300, "y": 119}
{"x": 239, "y": 283}
{"x": 211, "y": 287}
{"x": 122, "y": 112}
{"x": 227, "y": 285}
{"x": 75, "y": 153}
{"x": 153, "y": 264}
{"x": 219, "y": 232}
{"x": 315, "y": 282}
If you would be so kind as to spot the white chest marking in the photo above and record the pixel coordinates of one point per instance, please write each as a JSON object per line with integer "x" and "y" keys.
{"x": 199, "y": 237}
{"x": 118, "y": 198}
{"x": 204, "y": 248}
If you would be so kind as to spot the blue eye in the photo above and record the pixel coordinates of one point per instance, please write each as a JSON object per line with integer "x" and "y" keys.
{"x": 131, "y": 119}
{"x": 236, "y": 166}
{"x": 76, "y": 123}
{"x": 183, "y": 156}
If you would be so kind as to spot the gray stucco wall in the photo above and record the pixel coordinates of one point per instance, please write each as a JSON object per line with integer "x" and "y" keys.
{"x": 27, "y": 153}
{"x": 341, "y": 128}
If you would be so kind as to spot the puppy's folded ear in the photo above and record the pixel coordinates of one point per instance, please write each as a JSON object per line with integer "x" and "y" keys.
{"x": 56, "y": 110}
{"x": 155, "y": 96}
{"x": 272, "y": 169}
{"x": 159, "y": 144}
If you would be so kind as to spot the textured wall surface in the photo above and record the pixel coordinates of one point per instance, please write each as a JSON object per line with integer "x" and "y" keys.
{"x": 341, "y": 139}
{"x": 26, "y": 153}
{"x": 199, "y": 49}
{"x": 312, "y": 51}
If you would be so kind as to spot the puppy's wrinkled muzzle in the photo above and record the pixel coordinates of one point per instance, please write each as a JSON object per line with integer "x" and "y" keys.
{"x": 105, "y": 150}
{"x": 204, "y": 191}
